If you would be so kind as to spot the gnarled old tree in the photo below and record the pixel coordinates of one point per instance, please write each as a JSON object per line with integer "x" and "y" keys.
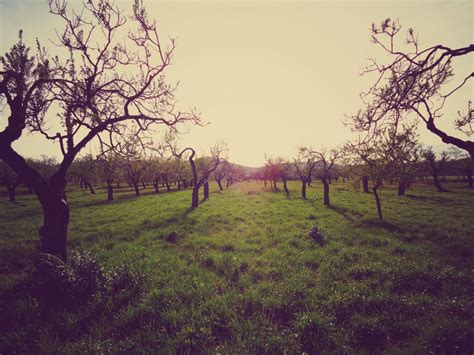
{"x": 413, "y": 85}
{"x": 202, "y": 168}
{"x": 85, "y": 170}
{"x": 278, "y": 168}
{"x": 305, "y": 162}
{"x": 112, "y": 76}
{"x": 108, "y": 168}
{"x": 326, "y": 160}
{"x": 382, "y": 155}
{"x": 436, "y": 165}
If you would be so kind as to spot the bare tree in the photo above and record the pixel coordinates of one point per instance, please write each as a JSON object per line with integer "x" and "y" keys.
{"x": 414, "y": 81}
{"x": 464, "y": 164}
{"x": 113, "y": 77}
{"x": 109, "y": 166}
{"x": 10, "y": 180}
{"x": 436, "y": 166}
{"x": 278, "y": 168}
{"x": 202, "y": 169}
{"x": 381, "y": 156}
{"x": 326, "y": 160}
{"x": 305, "y": 162}
{"x": 84, "y": 169}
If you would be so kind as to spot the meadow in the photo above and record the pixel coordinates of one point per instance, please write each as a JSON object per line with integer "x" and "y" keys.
{"x": 241, "y": 274}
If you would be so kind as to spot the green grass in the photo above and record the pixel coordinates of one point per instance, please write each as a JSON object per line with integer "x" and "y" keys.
{"x": 241, "y": 274}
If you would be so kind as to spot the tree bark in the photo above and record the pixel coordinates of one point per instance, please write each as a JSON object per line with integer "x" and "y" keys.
{"x": 327, "y": 201}
{"x": 285, "y": 187}
{"x": 11, "y": 193}
{"x": 365, "y": 183}
{"x": 437, "y": 183}
{"x": 110, "y": 191}
{"x": 303, "y": 188}
{"x": 219, "y": 183}
{"x": 206, "y": 190}
{"x": 401, "y": 188}
{"x": 88, "y": 185}
{"x": 378, "y": 203}
{"x": 195, "y": 197}
{"x": 136, "y": 189}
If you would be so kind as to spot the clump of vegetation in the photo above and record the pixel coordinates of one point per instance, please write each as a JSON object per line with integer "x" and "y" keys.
{"x": 172, "y": 238}
{"x": 58, "y": 284}
{"x": 317, "y": 235}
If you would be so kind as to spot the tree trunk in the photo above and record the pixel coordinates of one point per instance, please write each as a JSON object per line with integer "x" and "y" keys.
{"x": 365, "y": 183}
{"x": 219, "y": 183}
{"x": 437, "y": 184}
{"x": 144, "y": 185}
{"x": 89, "y": 186}
{"x": 110, "y": 191}
{"x": 179, "y": 184}
{"x": 206, "y": 190}
{"x": 401, "y": 188}
{"x": 303, "y": 189}
{"x": 55, "y": 222}
{"x": 286, "y": 187}
{"x": 185, "y": 185}
{"x": 469, "y": 179}
{"x": 168, "y": 186}
{"x": 136, "y": 189}
{"x": 156, "y": 186}
{"x": 325, "y": 182}
{"x": 195, "y": 198}
{"x": 275, "y": 185}
{"x": 11, "y": 193}
{"x": 378, "y": 203}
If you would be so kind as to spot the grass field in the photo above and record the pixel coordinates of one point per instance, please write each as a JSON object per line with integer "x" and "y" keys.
{"x": 241, "y": 275}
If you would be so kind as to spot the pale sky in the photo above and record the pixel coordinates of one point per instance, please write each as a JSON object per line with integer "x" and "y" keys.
{"x": 269, "y": 75}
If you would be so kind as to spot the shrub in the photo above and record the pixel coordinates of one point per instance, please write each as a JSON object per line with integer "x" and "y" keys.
{"x": 317, "y": 235}
{"x": 67, "y": 285}
{"x": 172, "y": 238}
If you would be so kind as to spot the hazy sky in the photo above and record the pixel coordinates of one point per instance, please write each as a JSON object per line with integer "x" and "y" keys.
{"x": 269, "y": 76}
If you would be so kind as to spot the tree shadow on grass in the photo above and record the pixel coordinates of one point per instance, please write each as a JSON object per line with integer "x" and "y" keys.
{"x": 346, "y": 213}
{"x": 377, "y": 223}
{"x": 436, "y": 199}
{"x": 124, "y": 198}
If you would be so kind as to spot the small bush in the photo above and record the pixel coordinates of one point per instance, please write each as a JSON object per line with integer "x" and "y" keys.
{"x": 172, "y": 238}
{"x": 208, "y": 262}
{"x": 67, "y": 285}
{"x": 317, "y": 235}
